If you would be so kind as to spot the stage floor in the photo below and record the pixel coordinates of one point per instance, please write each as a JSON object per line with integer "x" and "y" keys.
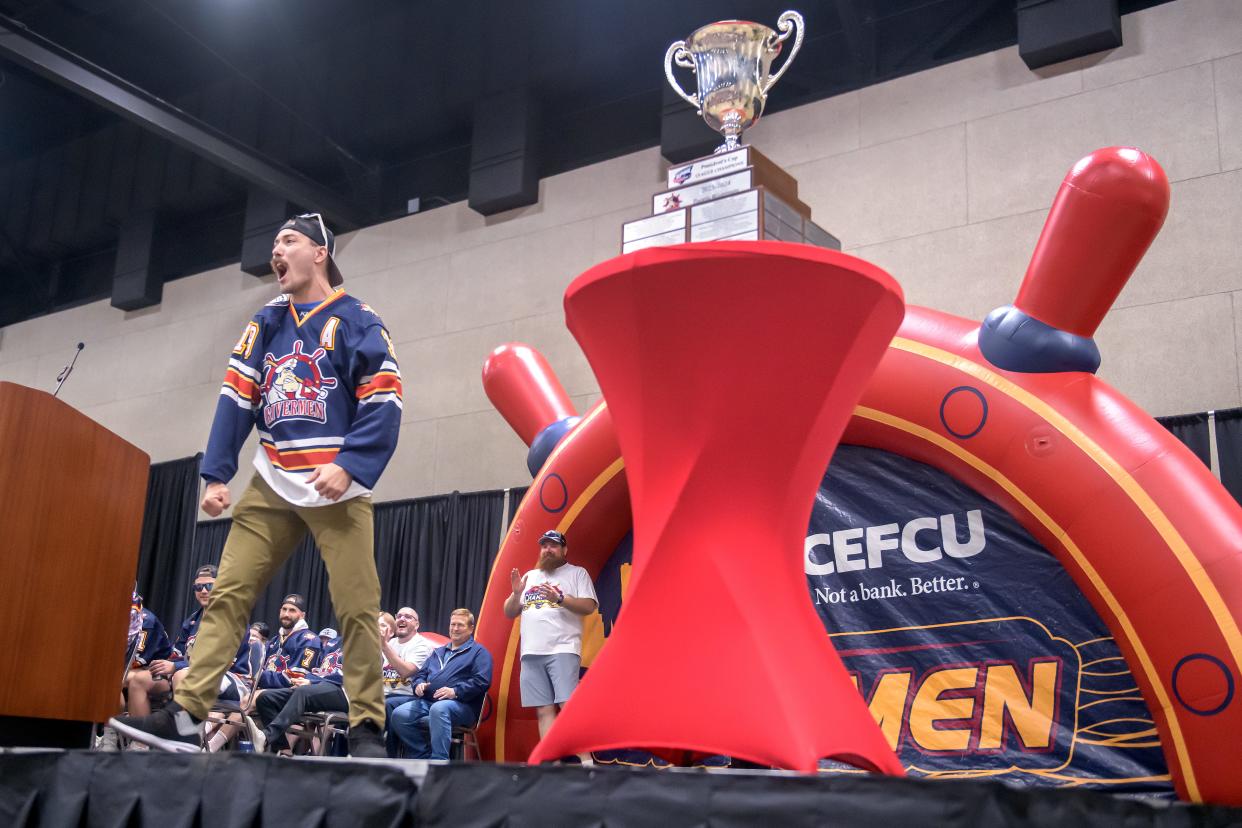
{"x": 79, "y": 788}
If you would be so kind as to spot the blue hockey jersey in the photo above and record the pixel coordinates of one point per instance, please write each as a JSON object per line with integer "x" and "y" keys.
{"x": 185, "y": 643}
{"x": 331, "y": 668}
{"x": 296, "y": 657}
{"x": 153, "y": 643}
{"x": 322, "y": 386}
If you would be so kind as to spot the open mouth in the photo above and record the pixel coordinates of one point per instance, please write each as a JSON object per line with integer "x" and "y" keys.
{"x": 279, "y": 267}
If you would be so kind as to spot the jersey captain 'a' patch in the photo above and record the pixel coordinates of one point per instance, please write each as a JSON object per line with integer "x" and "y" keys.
{"x": 294, "y": 387}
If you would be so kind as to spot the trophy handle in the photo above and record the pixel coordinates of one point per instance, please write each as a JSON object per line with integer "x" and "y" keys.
{"x": 787, "y": 23}
{"x": 677, "y": 54}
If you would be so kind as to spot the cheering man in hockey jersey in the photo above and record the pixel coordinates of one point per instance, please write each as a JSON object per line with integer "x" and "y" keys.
{"x": 315, "y": 371}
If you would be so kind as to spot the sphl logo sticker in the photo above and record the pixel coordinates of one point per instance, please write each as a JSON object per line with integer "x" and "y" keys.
{"x": 294, "y": 388}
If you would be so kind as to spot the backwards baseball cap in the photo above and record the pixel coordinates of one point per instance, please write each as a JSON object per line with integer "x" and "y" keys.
{"x": 311, "y": 225}
{"x": 205, "y": 571}
{"x": 553, "y": 536}
{"x": 295, "y": 599}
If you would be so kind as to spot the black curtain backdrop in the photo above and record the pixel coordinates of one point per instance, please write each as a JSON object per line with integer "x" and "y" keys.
{"x": 1229, "y": 450}
{"x": 165, "y": 563}
{"x": 432, "y": 553}
{"x": 1191, "y": 429}
{"x": 438, "y": 553}
{"x": 515, "y": 500}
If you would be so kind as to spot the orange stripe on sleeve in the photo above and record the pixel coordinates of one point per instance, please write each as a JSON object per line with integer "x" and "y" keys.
{"x": 242, "y": 384}
{"x": 380, "y": 383}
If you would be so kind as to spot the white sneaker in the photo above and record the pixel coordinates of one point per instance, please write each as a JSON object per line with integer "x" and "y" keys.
{"x": 108, "y": 742}
{"x": 260, "y": 739}
{"x": 171, "y": 729}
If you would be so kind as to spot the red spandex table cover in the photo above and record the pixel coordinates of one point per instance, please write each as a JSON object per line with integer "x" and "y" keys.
{"x": 730, "y": 369}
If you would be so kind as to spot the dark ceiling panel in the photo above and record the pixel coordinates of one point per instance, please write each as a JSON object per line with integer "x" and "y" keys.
{"x": 92, "y": 221}
{"x": 21, "y": 193}
{"x": 125, "y": 161}
{"x": 69, "y": 194}
{"x": 374, "y": 100}
{"x": 43, "y": 204}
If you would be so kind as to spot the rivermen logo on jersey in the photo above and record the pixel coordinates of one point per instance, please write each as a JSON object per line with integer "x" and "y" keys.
{"x": 294, "y": 388}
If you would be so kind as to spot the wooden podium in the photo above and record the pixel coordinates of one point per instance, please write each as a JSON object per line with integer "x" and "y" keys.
{"x": 71, "y": 502}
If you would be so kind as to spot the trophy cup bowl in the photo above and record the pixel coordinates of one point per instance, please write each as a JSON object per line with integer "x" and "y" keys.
{"x": 732, "y": 61}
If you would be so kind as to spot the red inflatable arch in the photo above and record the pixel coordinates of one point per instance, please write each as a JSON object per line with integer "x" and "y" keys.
{"x": 1149, "y": 535}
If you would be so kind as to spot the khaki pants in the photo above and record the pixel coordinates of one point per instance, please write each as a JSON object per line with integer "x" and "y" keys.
{"x": 265, "y": 531}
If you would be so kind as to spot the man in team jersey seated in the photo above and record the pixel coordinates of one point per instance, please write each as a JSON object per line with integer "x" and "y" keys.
{"x": 239, "y": 680}
{"x": 317, "y": 692}
{"x": 149, "y": 669}
{"x": 204, "y": 581}
{"x": 294, "y": 651}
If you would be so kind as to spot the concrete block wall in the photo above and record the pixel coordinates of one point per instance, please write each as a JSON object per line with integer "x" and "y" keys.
{"x": 943, "y": 178}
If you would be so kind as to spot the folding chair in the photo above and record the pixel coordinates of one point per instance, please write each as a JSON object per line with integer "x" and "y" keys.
{"x": 464, "y": 738}
{"x": 321, "y": 729}
{"x": 223, "y": 711}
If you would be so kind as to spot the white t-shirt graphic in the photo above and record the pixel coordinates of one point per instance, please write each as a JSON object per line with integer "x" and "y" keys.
{"x": 548, "y": 629}
{"x": 415, "y": 651}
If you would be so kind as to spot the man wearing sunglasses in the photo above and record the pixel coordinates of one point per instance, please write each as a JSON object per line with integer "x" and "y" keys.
{"x": 315, "y": 371}
{"x": 179, "y": 663}
{"x": 204, "y": 580}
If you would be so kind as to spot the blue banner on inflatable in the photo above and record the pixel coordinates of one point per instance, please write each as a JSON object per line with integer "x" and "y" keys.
{"x": 972, "y": 646}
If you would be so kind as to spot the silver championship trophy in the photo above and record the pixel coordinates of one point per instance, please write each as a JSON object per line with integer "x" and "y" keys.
{"x": 736, "y": 194}
{"x": 731, "y": 61}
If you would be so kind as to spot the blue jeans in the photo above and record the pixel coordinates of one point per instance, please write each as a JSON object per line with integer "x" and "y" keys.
{"x": 391, "y": 702}
{"x": 407, "y": 722}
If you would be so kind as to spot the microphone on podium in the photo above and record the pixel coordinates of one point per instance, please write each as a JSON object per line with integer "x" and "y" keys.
{"x": 68, "y": 369}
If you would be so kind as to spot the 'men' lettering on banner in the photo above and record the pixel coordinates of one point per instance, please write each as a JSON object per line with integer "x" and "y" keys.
{"x": 972, "y": 646}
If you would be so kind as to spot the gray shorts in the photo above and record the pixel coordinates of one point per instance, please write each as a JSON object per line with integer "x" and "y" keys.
{"x": 549, "y": 679}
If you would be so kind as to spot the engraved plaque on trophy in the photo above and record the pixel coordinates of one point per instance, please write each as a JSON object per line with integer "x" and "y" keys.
{"x": 702, "y": 191}
{"x": 767, "y": 172}
{"x": 720, "y": 175}
{"x": 665, "y": 228}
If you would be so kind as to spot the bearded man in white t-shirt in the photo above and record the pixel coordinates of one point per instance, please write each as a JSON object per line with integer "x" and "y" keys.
{"x": 552, "y": 601}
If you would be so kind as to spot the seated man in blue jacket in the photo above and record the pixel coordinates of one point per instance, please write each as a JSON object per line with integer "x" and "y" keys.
{"x": 449, "y": 690}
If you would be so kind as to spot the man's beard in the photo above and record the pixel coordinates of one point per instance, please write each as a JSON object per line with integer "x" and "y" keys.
{"x": 550, "y": 563}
